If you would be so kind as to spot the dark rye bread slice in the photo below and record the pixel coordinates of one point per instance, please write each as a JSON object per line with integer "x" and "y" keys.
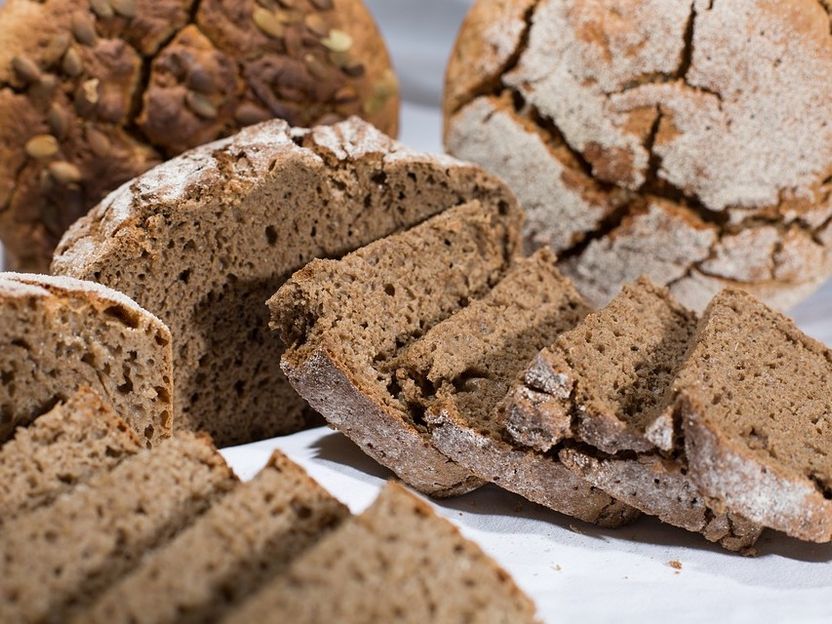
{"x": 249, "y": 536}
{"x": 462, "y": 368}
{"x": 396, "y": 562}
{"x": 58, "y": 333}
{"x": 345, "y": 321}
{"x": 57, "y": 558}
{"x": 755, "y": 399}
{"x": 204, "y": 239}
{"x": 598, "y": 397}
{"x": 66, "y": 446}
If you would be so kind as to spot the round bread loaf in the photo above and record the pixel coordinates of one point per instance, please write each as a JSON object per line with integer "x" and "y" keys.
{"x": 95, "y": 92}
{"x": 687, "y": 141}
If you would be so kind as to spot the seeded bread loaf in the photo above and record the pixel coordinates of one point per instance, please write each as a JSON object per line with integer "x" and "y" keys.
{"x": 461, "y": 369}
{"x": 397, "y": 562}
{"x": 95, "y": 92}
{"x": 56, "y": 558}
{"x": 206, "y": 238}
{"x": 57, "y": 334}
{"x": 755, "y": 400}
{"x": 345, "y": 322}
{"x": 249, "y": 536}
{"x": 65, "y": 447}
{"x": 599, "y": 398}
{"x": 686, "y": 141}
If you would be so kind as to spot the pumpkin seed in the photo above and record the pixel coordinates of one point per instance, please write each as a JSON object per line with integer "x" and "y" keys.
{"x": 26, "y": 68}
{"x": 42, "y": 146}
{"x": 57, "y": 120}
{"x": 125, "y": 8}
{"x": 72, "y": 64}
{"x": 65, "y": 172}
{"x": 268, "y": 23}
{"x": 201, "y": 105}
{"x": 83, "y": 29}
{"x": 102, "y": 8}
{"x": 337, "y": 41}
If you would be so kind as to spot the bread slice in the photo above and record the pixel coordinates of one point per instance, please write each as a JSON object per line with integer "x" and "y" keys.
{"x": 397, "y": 562}
{"x": 599, "y": 398}
{"x": 462, "y": 368}
{"x": 67, "y": 446}
{"x": 57, "y": 558}
{"x": 57, "y": 334}
{"x": 250, "y": 535}
{"x": 755, "y": 399}
{"x": 204, "y": 239}
{"x": 346, "y": 321}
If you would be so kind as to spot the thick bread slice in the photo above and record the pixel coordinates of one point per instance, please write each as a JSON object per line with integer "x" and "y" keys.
{"x": 66, "y": 446}
{"x": 462, "y": 368}
{"x": 204, "y": 239}
{"x": 755, "y": 397}
{"x": 345, "y": 322}
{"x": 249, "y": 536}
{"x": 57, "y": 558}
{"x": 397, "y": 562}
{"x": 57, "y": 334}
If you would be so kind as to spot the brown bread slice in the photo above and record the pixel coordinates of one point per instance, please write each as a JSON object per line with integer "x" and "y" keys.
{"x": 755, "y": 399}
{"x": 57, "y": 558}
{"x": 345, "y": 322}
{"x": 600, "y": 394}
{"x": 57, "y": 334}
{"x": 462, "y": 368}
{"x": 204, "y": 239}
{"x": 396, "y": 562}
{"x": 66, "y": 446}
{"x": 249, "y": 536}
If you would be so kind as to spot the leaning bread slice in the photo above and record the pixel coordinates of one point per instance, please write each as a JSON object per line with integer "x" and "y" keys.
{"x": 249, "y": 536}
{"x": 755, "y": 398}
{"x": 346, "y": 321}
{"x": 58, "y": 333}
{"x": 462, "y": 368}
{"x": 204, "y": 239}
{"x": 57, "y": 558}
{"x": 63, "y": 448}
{"x": 396, "y": 562}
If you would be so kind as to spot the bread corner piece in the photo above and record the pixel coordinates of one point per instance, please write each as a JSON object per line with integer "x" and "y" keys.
{"x": 755, "y": 398}
{"x": 396, "y": 562}
{"x": 58, "y": 334}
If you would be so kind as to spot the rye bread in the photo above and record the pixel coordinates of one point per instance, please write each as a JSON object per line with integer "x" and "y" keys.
{"x": 57, "y": 558}
{"x": 461, "y": 369}
{"x": 249, "y": 536}
{"x": 345, "y": 322}
{"x": 396, "y": 562}
{"x": 57, "y": 334}
{"x": 288, "y": 196}
{"x": 599, "y": 398}
{"x": 755, "y": 402}
{"x": 65, "y": 447}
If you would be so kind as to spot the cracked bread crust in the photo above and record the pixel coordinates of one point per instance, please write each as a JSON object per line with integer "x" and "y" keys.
{"x": 95, "y": 92}
{"x": 601, "y": 109}
{"x": 288, "y": 196}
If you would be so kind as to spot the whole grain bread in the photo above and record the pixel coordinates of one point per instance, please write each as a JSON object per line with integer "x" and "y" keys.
{"x": 755, "y": 401}
{"x": 206, "y": 238}
{"x": 249, "y": 536}
{"x": 638, "y": 138}
{"x": 461, "y": 369}
{"x": 56, "y": 558}
{"x": 57, "y": 334}
{"x": 345, "y": 322}
{"x": 94, "y": 93}
{"x": 65, "y": 447}
{"x": 396, "y": 562}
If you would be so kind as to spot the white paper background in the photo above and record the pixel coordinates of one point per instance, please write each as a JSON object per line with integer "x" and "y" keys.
{"x": 574, "y": 572}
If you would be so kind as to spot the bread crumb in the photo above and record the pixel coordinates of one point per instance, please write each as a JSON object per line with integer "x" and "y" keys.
{"x": 675, "y": 564}
{"x": 557, "y": 567}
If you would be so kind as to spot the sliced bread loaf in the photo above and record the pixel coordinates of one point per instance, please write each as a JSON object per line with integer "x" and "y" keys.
{"x": 57, "y": 334}
{"x": 462, "y": 368}
{"x": 250, "y": 535}
{"x": 57, "y": 558}
{"x": 397, "y": 562}
{"x": 346, "y": 321}
{"x": 204, "y": 239}
{"x": 755, "y": 399}
{"x": 66, "y": 446}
